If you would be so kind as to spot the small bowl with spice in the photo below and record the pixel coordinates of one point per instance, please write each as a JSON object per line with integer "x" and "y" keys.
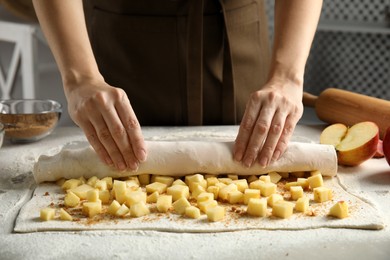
{"x": 29, "y": 120}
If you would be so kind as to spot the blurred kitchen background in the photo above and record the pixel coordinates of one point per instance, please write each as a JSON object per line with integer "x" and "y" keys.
{"x": 351, "y": 51}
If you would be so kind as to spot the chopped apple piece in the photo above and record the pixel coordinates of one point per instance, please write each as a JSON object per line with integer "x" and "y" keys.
{"x": 235, "y": 197}
{"x": 302, "y": 204}
{"x": 256, "y": 184}
{"x": 204, "y": 205}
{"x": 165, "y": 179}
{"x": 122, "y": 211}
{"x": 257, "y": 207}
{"x": 226, "y": 181}
{"x": 179, "y": 182}
{"x": 304, "y": 183}
{"x": 133, "y": 197}
{"x": 205, "y": 196}
{"x": 139, "y": 209}
{"x": 93, "y": 195}
{"x": 232, "y": 176}
{"x": 108, "y": 181}
{"x": 71, "y": 200}
{"x": 274, "y": 177}
{"x": 65, "y": 215}
{"x": 267, "y": 188}
{"x": 197, "y": 190}
{"x": 180, "y": 205}
{"x": 70, "y": 184}
{"x": 315, "y": 172}
{"x": 339, "y": 210}
{"x": 322, "y": 194}
{"x": 47, "y": 214}
{"x": 132, "y": 184}
{"x": 283, "y": 209}
{"x": 178, "y": 191}
{"x": 251, "y": 193}
{"x": 265, "y": 178}
{"x": 192, "y": 212}
{"x": 214, "y": 190}
{"x": 315, "y": 181}
{"x": 92, "y": 181}
{"x": 242, "y": 184}
{"x": 104, "y": 196}
{"x": 144, "y": 179}
{"x": 252, "y": 178}
{"x": 211, "y": 181}
{"x": 156, "y": 186}
{"x": 274, "y": 198}
{"x": 296, "y": 192}
{"x": 152, "y": 198}
{"x": 191, "y": 180}
{"x": 101, "y": 185}
{"x": 113, "y": 208}
{"x": 216, "y": 213}
{"x": 81, "y": 191}
{"x": 223, "y": 192}
{"x": 120, "y": 188}
{"x": 164, "y": 203}
{"x": 60, "y": 182}
{"x": 91, "y": 209}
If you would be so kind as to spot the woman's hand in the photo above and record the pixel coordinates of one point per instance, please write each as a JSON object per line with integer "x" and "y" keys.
{"x": 269, "y": 121}
{"x": 109, "y": 123}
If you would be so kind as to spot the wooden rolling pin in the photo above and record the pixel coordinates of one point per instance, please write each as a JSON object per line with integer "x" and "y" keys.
{"x": 342, "y": 106}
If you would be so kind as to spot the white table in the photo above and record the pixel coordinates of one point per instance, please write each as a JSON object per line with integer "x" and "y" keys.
{"x": 371, "y": 179}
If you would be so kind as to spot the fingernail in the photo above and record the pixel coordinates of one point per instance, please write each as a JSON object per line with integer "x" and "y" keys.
{"x": 142, "y": 155}
{"x": 134, "y": 166}
{"x": 276, "y": 156}
{"x": 121, "y": 166}
{"x": 248, "y": 162}
{"x": 237, "y": 156}
{"x": 263, "y": 162}
{"x": 109, "y": 161}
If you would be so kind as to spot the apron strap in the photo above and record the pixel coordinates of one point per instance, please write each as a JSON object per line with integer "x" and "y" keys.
{"x": 195, "y": 62}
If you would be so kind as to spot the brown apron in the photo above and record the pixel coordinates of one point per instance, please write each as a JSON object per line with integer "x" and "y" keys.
{"x": 182, "y": 62}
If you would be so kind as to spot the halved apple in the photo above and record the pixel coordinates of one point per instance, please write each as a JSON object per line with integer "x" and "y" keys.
{"x": 386, "y": 145}
{"x": 354, "y": 145}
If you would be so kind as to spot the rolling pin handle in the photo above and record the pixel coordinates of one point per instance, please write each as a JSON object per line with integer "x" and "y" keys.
{"x": 309, "y": 99}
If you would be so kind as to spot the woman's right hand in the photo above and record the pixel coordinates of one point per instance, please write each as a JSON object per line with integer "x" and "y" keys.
{"x": 108, "y": 121}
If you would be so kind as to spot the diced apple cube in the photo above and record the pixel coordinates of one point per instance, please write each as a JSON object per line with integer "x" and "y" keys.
{"x": 235, "y": 197}
{"x": 47, "y": 214}
{"x": 339, "y": 210}
{"x": 139, "y": 209}
{"x": 322, "y": 194}
{"x": 120, "y": 188}
{"x": 302, "y": 204}
{"x": 255, "y": 184}
{"x": 83, "y": 180}
{"x": 274, "y": 198}
{"x": 204, "y": 205}
{"x": 104, "y": 196}
{"x": 205, "y": 196}
{"x": 315, "y": 172}
{"x": 265, "y": 178}
{"x": 223, "y": 192}
{"x": 226, "y": 181}
{"x": 216, "y": 213}
{"x": 164, "y": 203}
{"x": 214, "y": 190}
{"x": 220, "y": 185}
{"x": 60, "y": 182}
{"x": 296, "y": 192}
{"x": 252, "y": 178}
{"x": 132, "y": 184}
{"x": 152, "y": 198}
{"x": 303, "y": 182}
{"x": 180, "y": 205}
{"x": 71, "y": 200}
{"x": 101, "y": 185}
{"x": 108, "y": 180}
{"x": 211, "y": 181}
{"x": 144, "y": 179}
{"x": 165, "y": 179}
{"x": 133, "y": 197}
{"x": 65, "y": 215}
{"x": 275, "y": 177}
{"x": 70, "y": 184}
{"x": 190, "y": 180}
{"x": 283, "y": 209}
{"x": 242, "y": 184}
{"x": 267, "y": 188}
{"x": 193, "y": 185}
{"x": 156, "y": 186}
{"x": 93, "y": 195}
{"x": 179, "y": 182}
{"x": 232, "y": 176}
{"x": 192, "y": 212}
{"x": 122, "y": 211}
{"x": 257, "y": 207}
{"x": 197, "y": 189}
{"x": 178, "y": 191}
{"x": 113, "y": 208}
{"x": 251, "y": 193}
{"x": 81, "y": 191}
{"x": 92, "y": 181}
{"x": 315, "y": 181}
{"x": 91, "y": 209}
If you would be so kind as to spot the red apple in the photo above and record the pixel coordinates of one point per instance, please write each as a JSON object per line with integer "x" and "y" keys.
{"x": 386, "y": 145}
{"x": 379, "y": 152}
{"x": 353, "y": 145}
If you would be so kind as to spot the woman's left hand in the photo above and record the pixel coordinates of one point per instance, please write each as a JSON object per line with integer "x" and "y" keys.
{"x": 268, "y": 123}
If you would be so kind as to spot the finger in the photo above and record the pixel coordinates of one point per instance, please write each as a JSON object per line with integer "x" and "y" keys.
{"x": 105, "y": 137}
{"x": 93, "y": 139}
{"x": 133, "y": 129}
{"x": 272, "y": 139}
{"x": 245, "y": 130}
{"x": 259, "y": 133}
{"x": 285, "y": 137}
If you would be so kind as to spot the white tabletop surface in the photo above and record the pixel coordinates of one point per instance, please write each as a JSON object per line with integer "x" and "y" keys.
{"x": 371, "y": 179}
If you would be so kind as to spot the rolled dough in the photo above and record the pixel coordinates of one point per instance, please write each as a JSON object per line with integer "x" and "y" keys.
{"x": 178, "y": 158}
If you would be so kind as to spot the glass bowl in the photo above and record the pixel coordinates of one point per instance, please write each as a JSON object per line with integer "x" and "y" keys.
{"x": 29, "y": 120}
